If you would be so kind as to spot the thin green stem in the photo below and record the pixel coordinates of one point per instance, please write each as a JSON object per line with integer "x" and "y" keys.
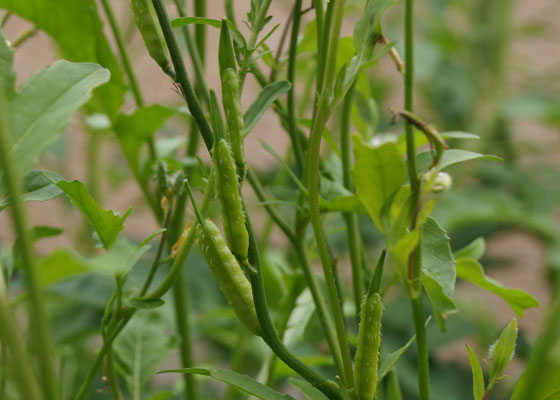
{"x": 112, "y": 375}
{"x": 24, "y": 36}
{"x": 230, "y": 11}
{"x": 293, "y": 131}
{"x": 181, "y": 74}
{"x": 181, "y": 301}
{"x": 12, "y": 340}
{"x": 125, "y": 58}
{"x": 39, "y": 319}
{"x": 415, "y": 265}
{"x": 269, "y": 334}
{"x": 319, "y": 124}
{"x": 350, "y": 219}
{"x": 256, "y": 29}
{"x": 314, "y": 287}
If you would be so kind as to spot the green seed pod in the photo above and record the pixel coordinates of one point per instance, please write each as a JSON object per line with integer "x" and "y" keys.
{"x": 227, "y": 191}
{"x": 148, "y": 25}
{"x": 367, "y": 352}
{"x": 228, "y": 273}
{"x": 234, "y": 115}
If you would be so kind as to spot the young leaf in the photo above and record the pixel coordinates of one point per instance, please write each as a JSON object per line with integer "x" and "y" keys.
{"x": 242, "y": 382}
{"x": 478, "y": 378}
{"x": 268, "y": 95}
{"x": 471, "y": 270}
{"x": 38, "y": 185}
{"x": 106, "y": 222}
{"x": 503, "y": 350}
{"x": 378, "y": 172}
{"x": 450, "y": 157}
{"x": 389, "y": 361}
{"x": 43, "y": 106}
{"x": 226, "y": 54}
{"x": 474, "y": 250}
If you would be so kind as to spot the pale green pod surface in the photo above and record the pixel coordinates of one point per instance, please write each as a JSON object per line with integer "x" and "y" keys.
{"x": 231, "y": 207}
{"x": 228, "y": 273}
{"x": 367, "y": 353}
{"x": 234, "y": 115}
{"x": 148, "y": 25}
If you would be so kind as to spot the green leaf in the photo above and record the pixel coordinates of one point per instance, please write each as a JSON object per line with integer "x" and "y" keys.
{"x": 549, "y": 384}
{"x": 378, "y": 172}
{"x": 37, "y": 233}
{"x": 401, "y": 249}
{"x": 478, "y": 378}
{"x": 78, "y": 31}
{"x": 307, "y": 389}
{"x": 7, "y": 72}
{"x": 268, "y": 95}
{"x": 389, "y": 361}
{"x": 503, "y": 351}
{"x": 471, "y": 270}
{"x": 106, "y": 223}
{"x": 474, "y": 250}
{"x": 438, "y": 270}
{"x": 38, "y": 185}
{"x": 242, "y": 382}
{"x": 162, "y": 396}
{"x": 43, "y": 106}
{"x": 349, "y": 204}
{"x": 450, "y": 157}
{"x": 133, "y": 130}
{"x": 119, "y": 259}
{"x": 368, "y": 27}
{"x": 139, "y": 349}
{"x": 60, "y": 265}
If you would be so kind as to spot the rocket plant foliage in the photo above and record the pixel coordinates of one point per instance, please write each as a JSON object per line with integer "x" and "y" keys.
{"x": 286, "y": 326}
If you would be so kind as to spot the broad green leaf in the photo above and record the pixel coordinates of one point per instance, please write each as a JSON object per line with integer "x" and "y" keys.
{"x": 400, "y": 251}
{"x": 59, "y": 265}
{"x": 119, "y": 259}
{"x": 474, "y": 250}
{"x": 349, "y": 204}
{"x": 44, "y": 104}
{"x": 142, "y": 345}
{"x": 478, "y": 377}
{"x": 368, "y": 27}
{"x": 133, "y": 130}
{"x": 106, "y": 222}
{"x": 37, "y": 233}
{"x": 307, "y": 389}
{"x": 268, "y": 95}
{"x": 438, "y": 270}
{"x": 450, "y": 157}
{"x": 503, "y": 350}
{"x": 472, "y": 271}
{"x": 7, "y": 72}
{"x": 378, "y": 172}
{"x": 78, "y": 31}
{"x": 38, "y": 185}
{"x": 242, "y": 382}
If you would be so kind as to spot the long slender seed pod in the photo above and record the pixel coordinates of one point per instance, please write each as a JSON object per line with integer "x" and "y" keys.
{"x": 227, "y": 190}
{"x": 147, "y": 23}
{"x": 234, "y": 115}
{"x": 228, "y": 273}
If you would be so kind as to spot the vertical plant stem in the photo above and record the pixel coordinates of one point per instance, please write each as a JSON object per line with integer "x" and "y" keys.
{"x": 39, "y": 319}
{"x": 12, "y": 340}
{"x": 415, "y": 265}
{"x": 181, "y": 74}
{"x": 319, "y": 124}
{"x": 294, "y": 134}
{"x": 182, "y": 313}
{"x": 269, "y": 334}
{"x": 112, "y": 375}
{"x": 350, "y": 219}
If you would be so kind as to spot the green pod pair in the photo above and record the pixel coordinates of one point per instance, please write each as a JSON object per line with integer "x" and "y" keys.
{"x": 228, "y": 273}
{"x": 148, "y": 25}
{"x": 234, "y": 115}
{"x": 366, "y": 360}
{"x": 227, "y": 191}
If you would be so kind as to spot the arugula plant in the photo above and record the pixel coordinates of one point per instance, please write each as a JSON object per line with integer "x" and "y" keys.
{"x": 278, "y": 302}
